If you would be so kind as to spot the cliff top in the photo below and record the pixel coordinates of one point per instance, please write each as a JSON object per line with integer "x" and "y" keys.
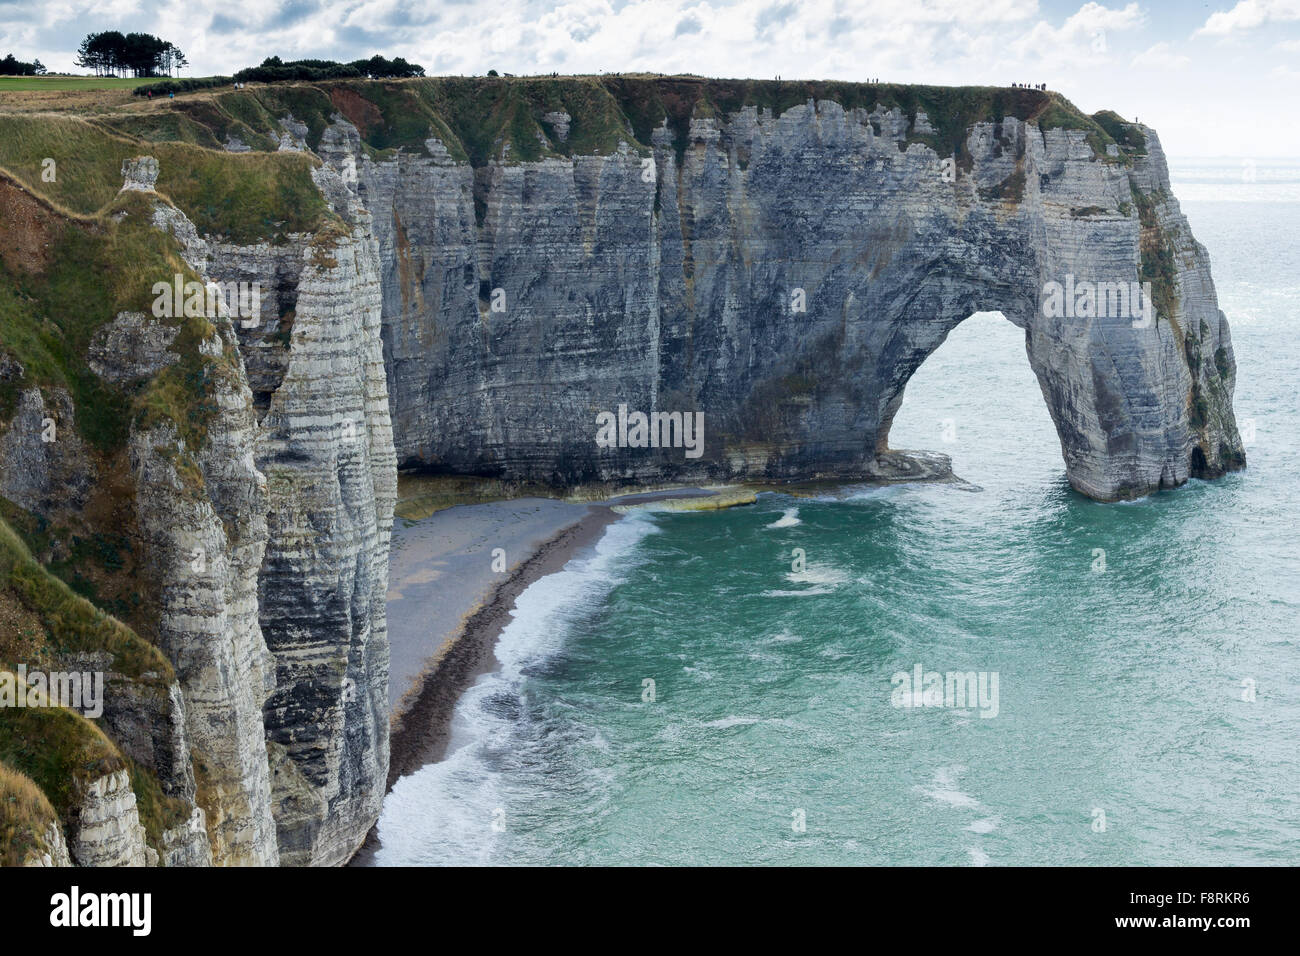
{"x": 482, "y": 119}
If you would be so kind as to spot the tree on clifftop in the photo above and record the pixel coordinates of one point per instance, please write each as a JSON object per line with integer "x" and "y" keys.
{"x": 140, "y": 54}
{"x": 10, "y": 66}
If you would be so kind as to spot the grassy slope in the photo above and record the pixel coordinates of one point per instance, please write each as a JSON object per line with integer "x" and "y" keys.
{"x": 71, "y": 82}
{"x": 25, "y": 815}
{"x": 102, "y": 256}
{"x": 245, "y": 196}
{"x": 69, "y": 263}
{"x": 45, "y": 617}
{"x": 49, "y": 310}
{"x": 60, "y": 750}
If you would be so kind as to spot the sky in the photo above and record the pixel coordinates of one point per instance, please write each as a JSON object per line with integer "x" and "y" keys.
{"x": 1213, "y": 78}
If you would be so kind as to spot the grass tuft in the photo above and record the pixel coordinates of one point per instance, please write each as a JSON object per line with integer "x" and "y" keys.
{"x": 25, "y": 816}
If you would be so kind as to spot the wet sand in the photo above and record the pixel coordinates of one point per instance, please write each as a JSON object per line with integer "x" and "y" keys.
{"x": 446, "y": 606}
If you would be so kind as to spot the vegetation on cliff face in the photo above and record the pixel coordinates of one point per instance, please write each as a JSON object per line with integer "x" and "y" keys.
{"x": 56, "y": 293}
{"x": 248, "y": 196}
{"x": 71, "y": 260}
{"x": 1158, "y": 265}
{"x": 60, "y": 750}
{"x": 1129, "y": 138}
{"x": 481, "y": 119}
{"x": 25, "y": 817}
{"x": 43, "y": 618}
{"x": 58, "y": 753}
{"x": 504, "y": 119}
{"x": 102, "y": 566}
{"x": 55, "y": 750}
{"x": 245, "y": 197}
{"x": 951, "y": 110}
{"x": 62, "y": 278}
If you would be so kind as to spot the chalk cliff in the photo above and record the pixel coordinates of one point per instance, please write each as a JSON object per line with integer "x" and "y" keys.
{"x": 785, "y": 271}
{"x": 461, "y": 275}
{"x": 248, "y": 477}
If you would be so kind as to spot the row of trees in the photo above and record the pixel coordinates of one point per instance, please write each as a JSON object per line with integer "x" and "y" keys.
{"x": 112, "y": 53}
{"x": 10, "y": 66}
{"x": 377, "y": 67}
{"x": 140, "y": 54}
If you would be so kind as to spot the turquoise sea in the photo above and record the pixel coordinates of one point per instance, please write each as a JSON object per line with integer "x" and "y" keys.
{"x": 1147, "y": 710}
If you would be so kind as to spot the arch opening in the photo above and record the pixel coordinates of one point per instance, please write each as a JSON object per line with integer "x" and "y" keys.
{"x": 976, "y": 398}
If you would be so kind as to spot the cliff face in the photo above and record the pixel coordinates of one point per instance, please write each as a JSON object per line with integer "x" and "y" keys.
{"x": 462, "y": 275}
{"x": 312, "y": 485}
{"x": 250, "y": 478}
{"x": 785, "y": 272}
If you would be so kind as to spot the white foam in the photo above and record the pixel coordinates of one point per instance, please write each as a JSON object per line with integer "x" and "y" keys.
{"x": 726, "y": 722}
{"x": 542, "y": 613}
{"x": 817, "y": 574}
{"x": 442, "y": 813}
{"x": 445, "y": 812}
{"x": 823, "y": 578}
{"x": 789, "y": 518}
{"x": 944, "y": 789}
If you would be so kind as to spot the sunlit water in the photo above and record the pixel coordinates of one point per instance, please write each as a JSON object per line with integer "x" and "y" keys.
{"x": 772, "y": 736}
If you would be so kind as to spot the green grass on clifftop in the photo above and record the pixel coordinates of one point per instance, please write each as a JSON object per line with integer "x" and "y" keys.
{"x": 483, "y": 119}
{"x": 40, "y": 83}
{"x": 246, "y": 197}
{"x": 55, "y": 294}
{"x": 65, "y": 277}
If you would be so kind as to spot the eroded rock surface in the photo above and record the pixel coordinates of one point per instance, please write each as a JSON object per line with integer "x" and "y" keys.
{"x": 108, "y": 830}
{"x": 785, "y": 274}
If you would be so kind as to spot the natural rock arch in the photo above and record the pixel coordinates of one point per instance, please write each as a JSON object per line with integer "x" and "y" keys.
{"x": 785, "y": 273}
{"x": 1140, "y": 401}
{"x": 1114, "y": 392}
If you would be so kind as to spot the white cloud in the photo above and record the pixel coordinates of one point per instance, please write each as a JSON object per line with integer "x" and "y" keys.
{"x": 1249, "y": 14}
{"x": 1161, "y": 57}
{"x": 1085, "y": 36}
